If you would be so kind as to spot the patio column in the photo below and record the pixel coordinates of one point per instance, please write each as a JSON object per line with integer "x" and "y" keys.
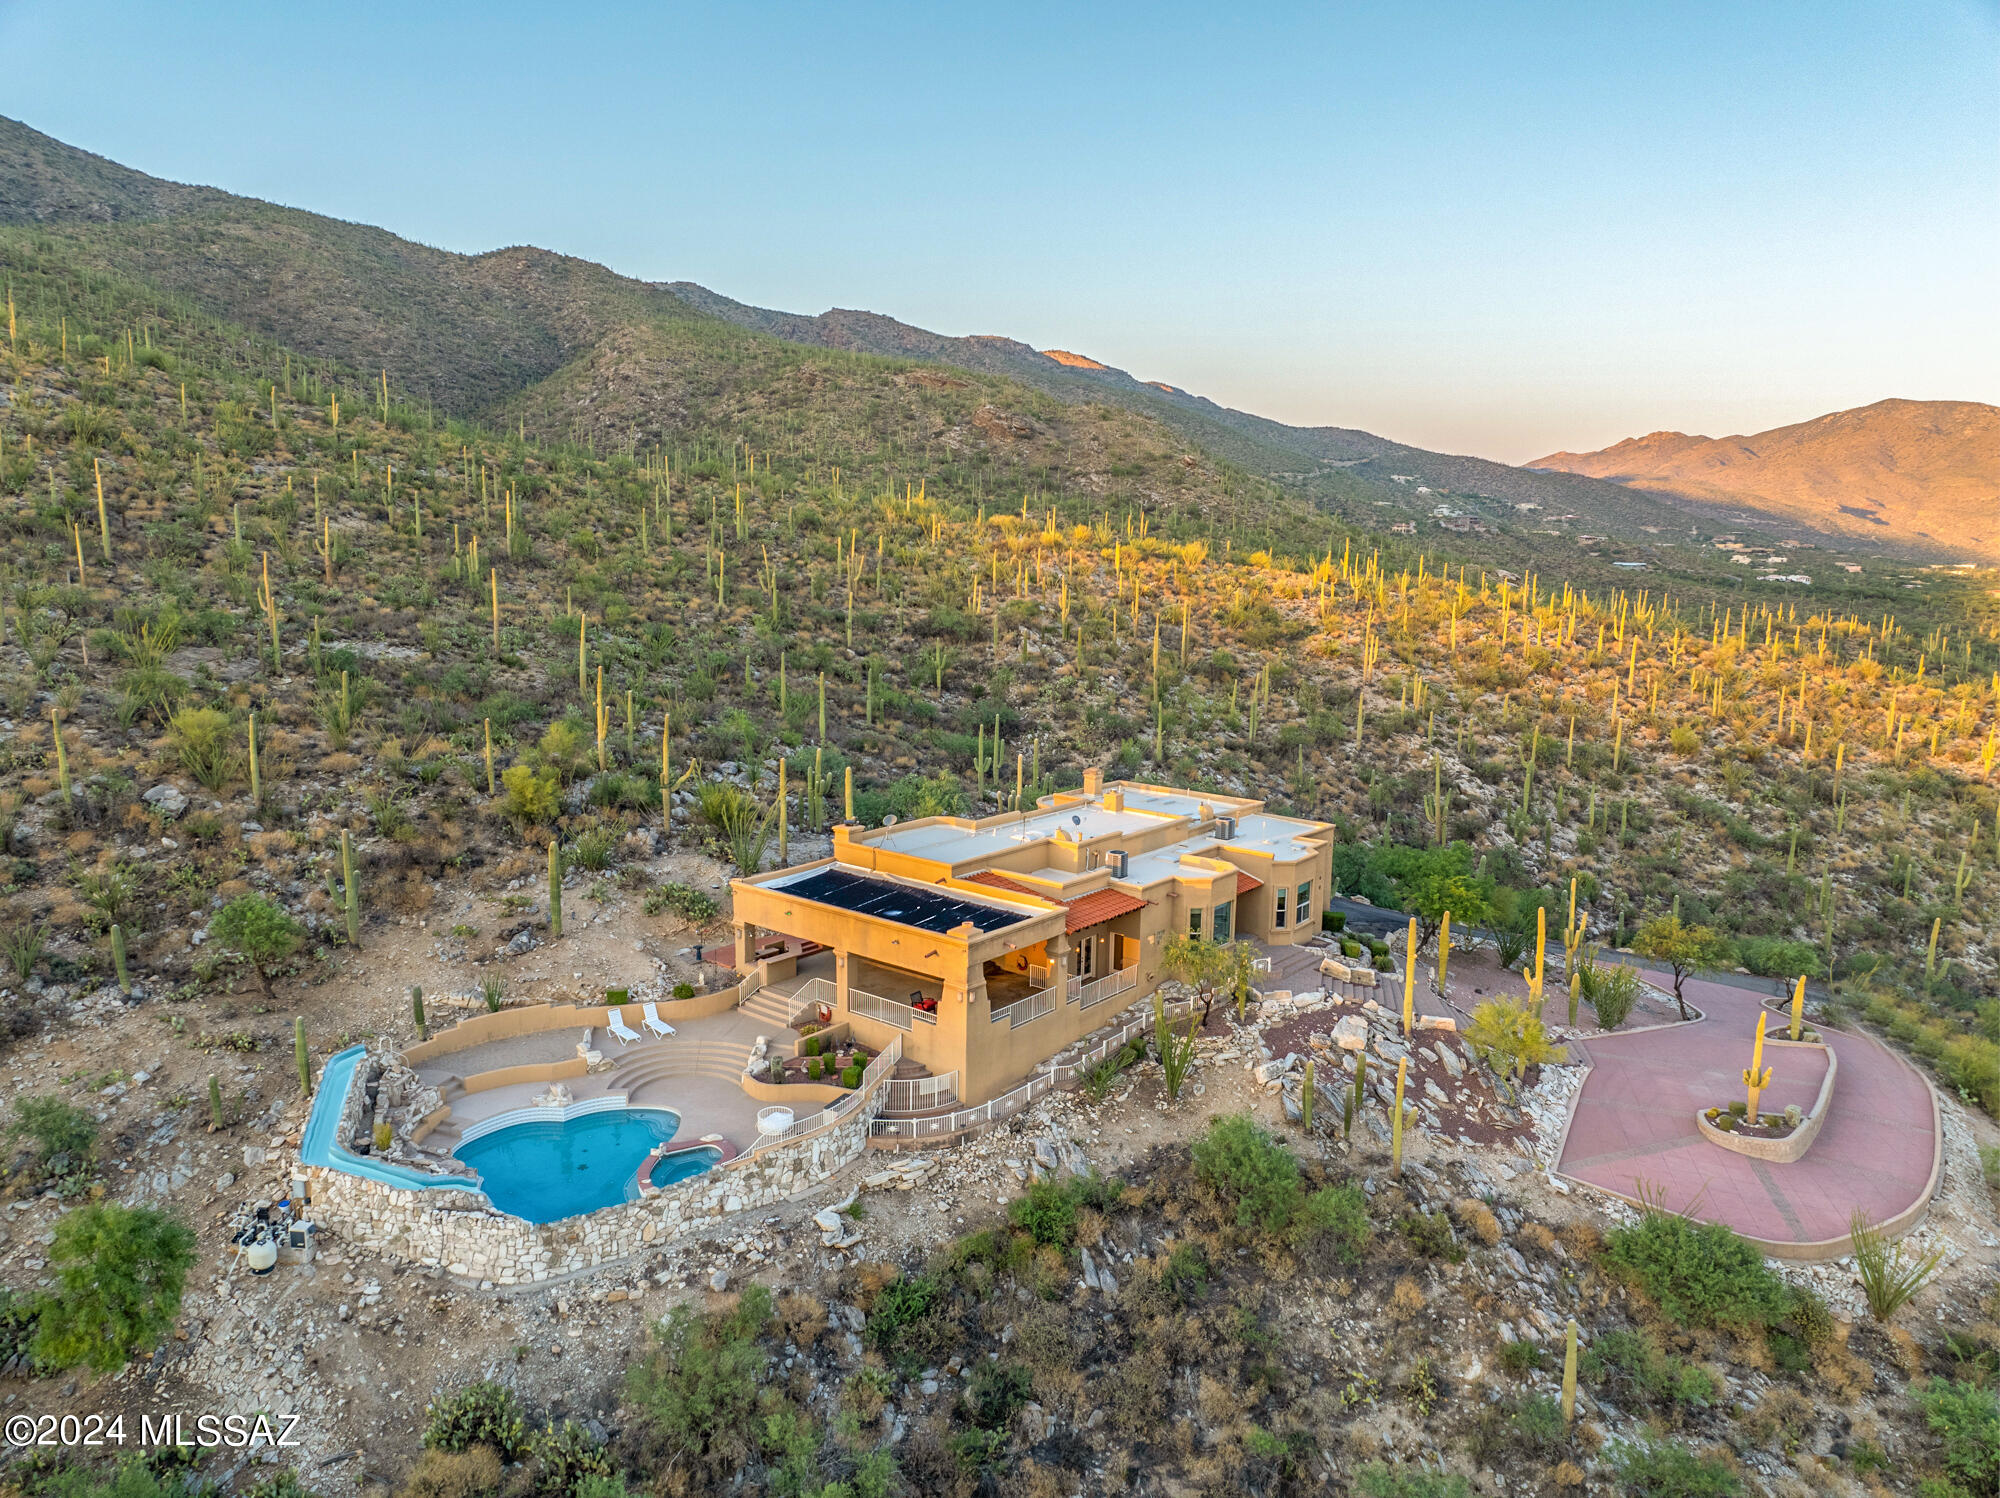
{"x": 1059, "y": 950}
{"x": 746, "y": 946}
{"x": 961, "y": 1015}
{"x": 840, "y": 981}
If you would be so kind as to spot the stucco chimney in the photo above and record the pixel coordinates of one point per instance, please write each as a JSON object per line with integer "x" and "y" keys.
{"x": 1093, "y": 781}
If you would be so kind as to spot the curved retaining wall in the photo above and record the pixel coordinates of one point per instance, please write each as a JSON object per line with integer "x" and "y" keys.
{"x": 532, "y": 1019}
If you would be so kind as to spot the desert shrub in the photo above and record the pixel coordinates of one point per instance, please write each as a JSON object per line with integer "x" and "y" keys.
{"x": 1510, "y": 1037}
{"x": 1667, "y": 1469}
{"x": 528, "y": 798}
{"x": 1333, "y": 1221}
{"x": 1635, "y": 1365}
{"x": 592, "y": 849}
{"x": 1614, "y": 994}
{"x": 1430, "y": 1234}
{"x": 568, "y": 1454}
{"x": 1377, "y": 1480}
{"x": 472, "y": 1473}
{"x": 1966, "y": 1419}
{"x": 996, "y": 1394}
{"x": 200, "y": 739}
{"x": 119, "y": 1273}
{"x": 1239, "y": 1160}
{"x": 697, "y": 1391}
{"x": 480, "y": 1414}
{"x": 1971, "y": 1064}
{"x": 901, "y": 1304}
{"x": 131, "y": 1477}
{"x": 850, "y": 1077}
{"x": 61, "y": 1133}
{"x": 1520, "y": 1357}
{"x": 1699, "y": 1274}
{"x": 1045, "y": 1212}
{"x": 691, "y": 905}
{"x": 1685, "y": 741}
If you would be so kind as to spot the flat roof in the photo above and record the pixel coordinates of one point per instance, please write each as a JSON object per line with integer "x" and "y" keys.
{"x": 888, "y": 900}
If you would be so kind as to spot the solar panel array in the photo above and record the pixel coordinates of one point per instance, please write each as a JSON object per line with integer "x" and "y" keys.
{"x": 924, "y": 909}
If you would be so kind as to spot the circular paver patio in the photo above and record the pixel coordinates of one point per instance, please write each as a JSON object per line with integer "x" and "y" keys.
{"x": 1632, "y": 1131}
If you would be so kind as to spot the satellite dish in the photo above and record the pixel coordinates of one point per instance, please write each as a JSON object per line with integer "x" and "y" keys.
{"x": 889, "y": 820}
{"x": 1078, "y": 820}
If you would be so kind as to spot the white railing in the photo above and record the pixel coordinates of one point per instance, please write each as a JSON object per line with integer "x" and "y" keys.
{"x": 874, "y": 1076}
{"x": 914, "y": 1094}
{"x": 1039, "y": 1085}
{"x": 1112, "y": 984}
{"x": 808, "y": 997}
{"x": 1033, "y": 1007}
{"x": 895, "y": 1012}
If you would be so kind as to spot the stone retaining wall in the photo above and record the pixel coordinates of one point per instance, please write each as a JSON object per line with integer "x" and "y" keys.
{"x": 460, "y": 1232}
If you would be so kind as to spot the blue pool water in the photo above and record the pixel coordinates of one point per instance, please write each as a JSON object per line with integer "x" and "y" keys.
{"x": 548, "y": 1171}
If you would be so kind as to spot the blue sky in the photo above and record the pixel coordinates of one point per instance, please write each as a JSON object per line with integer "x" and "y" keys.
{"x": 1483, "y": 228}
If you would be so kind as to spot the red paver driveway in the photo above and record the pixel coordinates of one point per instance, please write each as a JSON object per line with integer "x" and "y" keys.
{"x": 1634, "y": 1124}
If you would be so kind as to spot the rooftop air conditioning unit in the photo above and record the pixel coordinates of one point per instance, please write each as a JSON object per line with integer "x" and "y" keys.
{"x": 1118, "y": 858}
{"x": 1225, "y": 828}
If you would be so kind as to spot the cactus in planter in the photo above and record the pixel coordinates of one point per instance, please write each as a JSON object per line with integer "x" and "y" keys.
{"x": 118, "y": 958}
{"x": 555, "y": 891}
{"x": 417, "y": 1012}
{"x": 302, "y": 1056}
{"x": 1757, "y": 1076}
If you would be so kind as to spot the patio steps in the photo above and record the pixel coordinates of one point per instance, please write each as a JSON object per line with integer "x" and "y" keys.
{"x": 722, "y": 1060}
{"x": 769, "y": 1008}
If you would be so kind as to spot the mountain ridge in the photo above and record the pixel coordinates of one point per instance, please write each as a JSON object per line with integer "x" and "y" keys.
{"x": 1921, "y": 474}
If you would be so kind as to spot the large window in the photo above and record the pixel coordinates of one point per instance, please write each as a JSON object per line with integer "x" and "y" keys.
{"x": 1222, "y": 921}
{"x": 1278, "y": 918}
{"x": 1303, "y": 910}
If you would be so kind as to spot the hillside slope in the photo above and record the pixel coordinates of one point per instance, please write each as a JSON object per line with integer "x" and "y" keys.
{"x": 1900, "y": 473}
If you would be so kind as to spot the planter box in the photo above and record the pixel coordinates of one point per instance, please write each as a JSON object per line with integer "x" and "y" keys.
{"x": 1795, "y": 1144}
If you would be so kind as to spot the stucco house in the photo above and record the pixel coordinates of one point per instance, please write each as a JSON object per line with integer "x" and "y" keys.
{"x": 988, "y": 944}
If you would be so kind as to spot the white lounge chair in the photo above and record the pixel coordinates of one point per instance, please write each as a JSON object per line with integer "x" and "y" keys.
{"x": 625, "y": 1033}
{"x": 654, "y": 1023}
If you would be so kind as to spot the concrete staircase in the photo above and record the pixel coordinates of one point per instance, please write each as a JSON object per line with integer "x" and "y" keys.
{"x": 772, "y": 1010}
{"x": 644, "y": 1073}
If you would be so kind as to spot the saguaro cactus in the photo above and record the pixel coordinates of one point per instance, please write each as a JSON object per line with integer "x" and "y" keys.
{"x": 1569, "y": 1372}
{"x": 555, "y": 891}
{"x": 256, "y": 783}
{"x": 118, "y": 958}
{"x": 302, "y": 1056}
{"x": 214, "y": 1104}
{"x": 1798, "y": 1006}
{"x": 1396, "y": 1124}
{"x": 417, "y": 1012}
{"x": 1306, "y": 1098}
{"x": 352, "y": 888}
{"x": 1758, "y": 1076}
{"x": 1356, "y": 1099}
{"x": 1444, "y": 951}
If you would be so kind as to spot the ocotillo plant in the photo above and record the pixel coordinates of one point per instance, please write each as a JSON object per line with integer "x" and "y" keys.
{"x": 555, "y": 891}
{"x": 417, "y": 1012}
{"x": 118, "y": 957}
{"x": 353, "y": 903}
{"x": 1757, "y": 1076}
{"x": 302, "y": 1056}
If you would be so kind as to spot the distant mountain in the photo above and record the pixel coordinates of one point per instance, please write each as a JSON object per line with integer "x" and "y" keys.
{"x": 574, "y": 349}
{"x": 1921, "y": 476}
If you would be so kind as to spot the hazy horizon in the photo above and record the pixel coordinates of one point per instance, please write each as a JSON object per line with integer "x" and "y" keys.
{"x": 1502, "y": 237}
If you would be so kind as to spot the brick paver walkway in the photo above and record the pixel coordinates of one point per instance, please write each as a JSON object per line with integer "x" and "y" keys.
{"x": 1634, "y": 1122}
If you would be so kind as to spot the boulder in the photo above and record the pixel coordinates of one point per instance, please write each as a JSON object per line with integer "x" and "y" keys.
{"x": 167, "y": 800}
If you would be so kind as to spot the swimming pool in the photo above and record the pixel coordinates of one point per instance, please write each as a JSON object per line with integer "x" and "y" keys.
{"x": 545, "y": 1170}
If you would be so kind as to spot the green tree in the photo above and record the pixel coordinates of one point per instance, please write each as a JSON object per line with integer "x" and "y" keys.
{"x": 1423, "y": 882}
{"x": 1510, "y": 1037}
{"x": 562, "y": 748}
{"x": 1203, "y": 965}
{"x": 258, "y": 931}
{"x": 1682, "y": 948}
{"x": 119, "y": 1273}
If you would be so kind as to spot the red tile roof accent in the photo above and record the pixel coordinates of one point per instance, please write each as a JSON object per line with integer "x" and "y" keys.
{"x": 1247, "y": 882}
{"x": 1092, "y": 909}
{"x": 1012, "y": 886}
{"x": 1098, "y": 907}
